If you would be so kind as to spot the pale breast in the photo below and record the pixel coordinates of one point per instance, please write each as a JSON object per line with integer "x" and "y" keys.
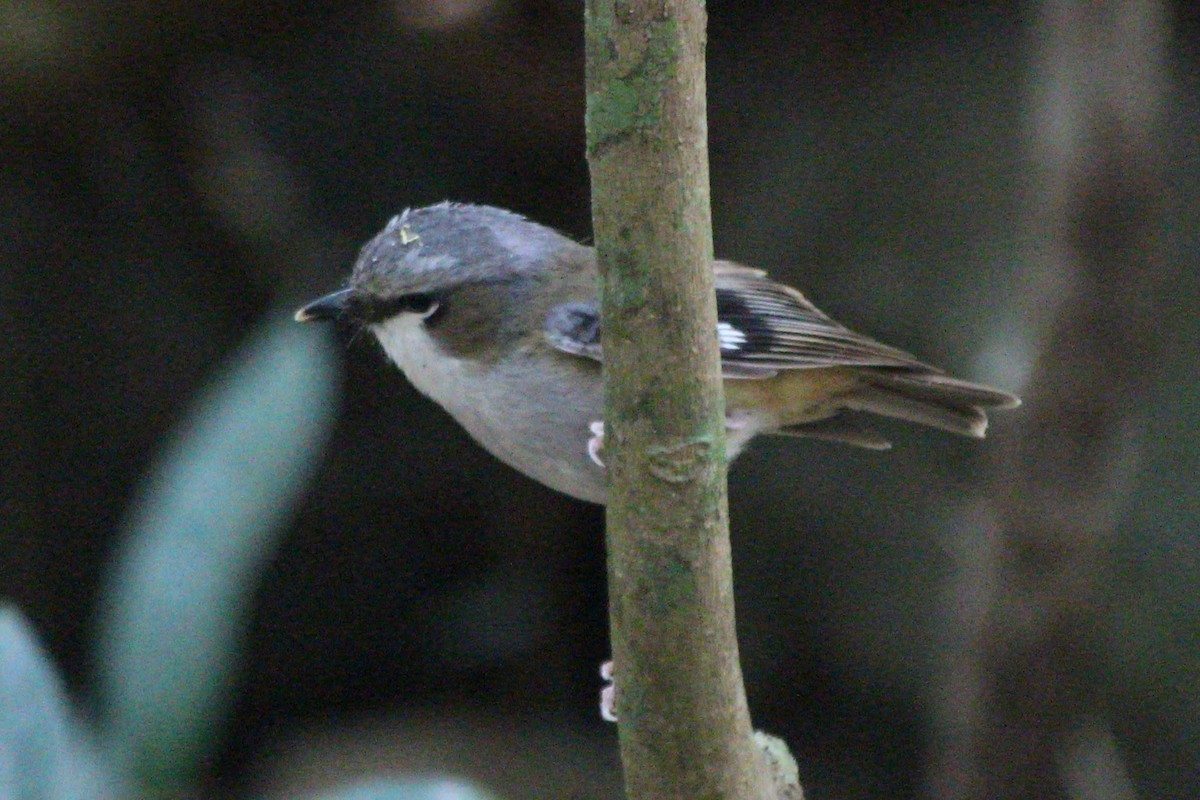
{"x": 534, "y": 417}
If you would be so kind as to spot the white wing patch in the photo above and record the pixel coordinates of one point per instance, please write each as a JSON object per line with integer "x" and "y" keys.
{"x": 730, "y": 338}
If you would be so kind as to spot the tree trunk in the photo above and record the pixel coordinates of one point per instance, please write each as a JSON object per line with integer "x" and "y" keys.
{"x": 684, "y": 727}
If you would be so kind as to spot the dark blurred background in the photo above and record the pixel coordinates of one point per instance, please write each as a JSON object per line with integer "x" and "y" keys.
{"x": 171, "y": 173}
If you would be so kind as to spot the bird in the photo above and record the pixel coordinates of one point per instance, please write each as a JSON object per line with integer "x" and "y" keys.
{"x": 496, "y": 318}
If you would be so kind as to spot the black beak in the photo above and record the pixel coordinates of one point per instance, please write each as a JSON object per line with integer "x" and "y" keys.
{"x": 329, "y": 307}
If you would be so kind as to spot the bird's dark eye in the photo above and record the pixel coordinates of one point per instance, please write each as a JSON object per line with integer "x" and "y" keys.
{"x": 420, "y": 303}
{"x": 373, "y": 310}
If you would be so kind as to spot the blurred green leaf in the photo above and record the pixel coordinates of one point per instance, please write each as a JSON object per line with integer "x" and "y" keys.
{"x": 44, "y": 752}
{"x": 177, "y": 601}
{"x": 438, "y": 789}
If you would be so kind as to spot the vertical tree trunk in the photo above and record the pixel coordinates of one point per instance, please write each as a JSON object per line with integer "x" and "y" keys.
{"x": 1021, "y": 705}
{"x": 684, "y": 727}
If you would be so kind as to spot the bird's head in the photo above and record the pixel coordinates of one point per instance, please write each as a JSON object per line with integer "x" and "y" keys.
{"x": 460, "y": 268}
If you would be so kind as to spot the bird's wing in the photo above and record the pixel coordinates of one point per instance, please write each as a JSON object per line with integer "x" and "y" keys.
{"x": 764, "y": 323}
{"x": 762, "y": 327}
{"x": 575, "y": 328}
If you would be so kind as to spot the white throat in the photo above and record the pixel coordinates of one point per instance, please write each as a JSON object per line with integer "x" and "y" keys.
{"x": 408, "y": 344}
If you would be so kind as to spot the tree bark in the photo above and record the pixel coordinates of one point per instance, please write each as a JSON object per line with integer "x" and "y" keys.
{"x": 684, "y": 726}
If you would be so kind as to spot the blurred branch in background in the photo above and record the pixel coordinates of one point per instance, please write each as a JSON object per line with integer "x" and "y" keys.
{"x": 1022, "y": 708}
{"x": 256, "y": 193}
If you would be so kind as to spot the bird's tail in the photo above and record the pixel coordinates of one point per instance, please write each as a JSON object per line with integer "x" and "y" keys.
{"x": 929, "y": 398}
{"x": 924, "y": 397}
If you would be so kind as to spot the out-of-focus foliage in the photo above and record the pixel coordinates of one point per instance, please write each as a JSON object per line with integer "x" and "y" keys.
{"x": 175, "y": 608}
{"x": 414, "y": 790}
{"x": 45, "y": 750}
{"x": 177, "y": 600}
